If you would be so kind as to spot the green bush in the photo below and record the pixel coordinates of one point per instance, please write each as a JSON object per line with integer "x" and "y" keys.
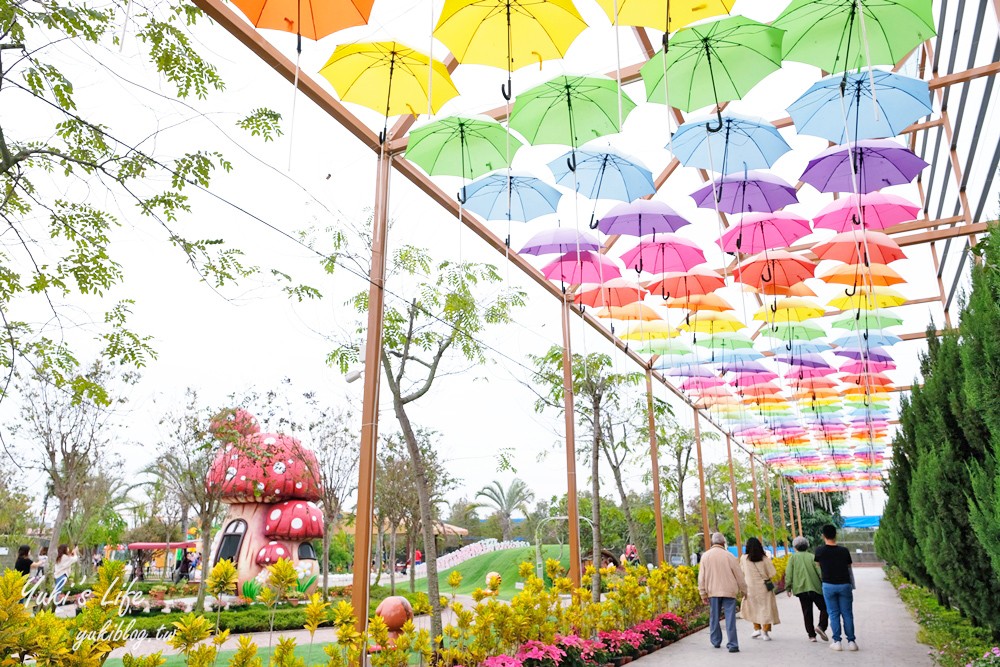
{"x": 955, "y": 640}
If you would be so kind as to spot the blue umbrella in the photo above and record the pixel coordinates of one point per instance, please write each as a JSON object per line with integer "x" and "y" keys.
{"x": 723, "y": 356}
{"x": 868, "y": 339}
{"x": 603, "y": 175}
{"x": 801, "y": 347}
{"x": 743, "y": 142}
{"x": 530, "y": 197}
{"x": 898, "y": 102}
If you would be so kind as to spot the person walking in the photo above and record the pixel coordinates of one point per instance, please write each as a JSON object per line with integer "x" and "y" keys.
{"x": 759, "y": 607}
{"x": 838, "y": 587}
{"x": 720, "y": 581}
{"x": 802, "y": 581}
{"x": 63, "y": 564}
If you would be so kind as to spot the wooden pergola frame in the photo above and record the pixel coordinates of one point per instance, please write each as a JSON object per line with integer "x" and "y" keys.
{"x": 925, "y": 231}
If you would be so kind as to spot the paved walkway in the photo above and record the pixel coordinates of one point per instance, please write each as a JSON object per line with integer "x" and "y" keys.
{"x": 887, "y": 635}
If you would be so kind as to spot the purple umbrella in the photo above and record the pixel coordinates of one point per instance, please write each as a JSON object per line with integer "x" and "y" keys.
{"x": 878, "y": 163}
{"x": 747, "y": 192}
{"x": 874, "y": 354}
{"x": 806, "y": 360}
{"x": 559, "y": 240}
{"x": 640, "y": 218}
{"x": 742, "y": 367}
{"x": 691, "y": 371}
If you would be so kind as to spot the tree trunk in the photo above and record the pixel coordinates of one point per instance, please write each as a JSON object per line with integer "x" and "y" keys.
{"x": 426, "y": 521}
{"x": 633, "y": 526}
{"x": 377, "y": 558}
{"x": 50, "y": 568}
{"x": 505, "y": 522}
{"x": 206, "y": 565}
{"x": 325, "y": 562}
{"x": 595, "y": 512}
{"x": 682, "y": 511}
{"x": 392, "y": 561}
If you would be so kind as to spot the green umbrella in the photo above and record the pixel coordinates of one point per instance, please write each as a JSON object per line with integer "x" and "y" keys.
{"x": 877, "y": 318}
{"x": 461, "y": 146}
{"x": 726, "y": 340}
{"x": 714, "y": 62}
{"x": 839, "y": 35}
{"x": 570, "y": 110}
{"x": 794, "y": 331}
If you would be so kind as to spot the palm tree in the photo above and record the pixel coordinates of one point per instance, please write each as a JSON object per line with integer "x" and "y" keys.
{"x": 505, "y": 501}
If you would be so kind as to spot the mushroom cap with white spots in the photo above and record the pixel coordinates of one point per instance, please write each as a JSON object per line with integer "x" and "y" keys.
{"x": 265, "y": 468}
{"x": 271, "y": 552}
{"x": 294, "y": 520}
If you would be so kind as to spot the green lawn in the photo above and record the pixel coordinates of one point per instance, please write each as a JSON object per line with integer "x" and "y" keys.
{"x": 505, "y": 562}
{"x": 317, "y": 656}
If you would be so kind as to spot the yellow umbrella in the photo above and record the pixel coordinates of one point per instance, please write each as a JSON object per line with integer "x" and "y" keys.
{"x": 508, "y": 33}
{"x": 792, "y": 309}
{"x": 657, "y": 329}
{"x": 712, "y": 322}
{"x": 389, "y": 77}
{"x": 653, "y": 13}
{"x": 869, "y": 299}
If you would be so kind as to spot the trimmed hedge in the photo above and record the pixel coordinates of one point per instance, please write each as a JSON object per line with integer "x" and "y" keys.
{"x": 955, "y": 640}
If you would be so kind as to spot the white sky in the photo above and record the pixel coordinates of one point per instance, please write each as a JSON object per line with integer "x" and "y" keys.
{"x": 252, "y": 336}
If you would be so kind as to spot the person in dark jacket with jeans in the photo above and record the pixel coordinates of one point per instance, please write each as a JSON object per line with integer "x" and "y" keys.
{"x": 838, "y": 587}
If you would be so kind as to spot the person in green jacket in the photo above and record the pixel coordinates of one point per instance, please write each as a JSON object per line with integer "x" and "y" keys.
{"x": 802, "y": 581}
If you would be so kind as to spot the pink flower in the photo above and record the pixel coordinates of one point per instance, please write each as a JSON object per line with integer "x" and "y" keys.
{"x": 502, "y": 661}
{"x": 535, "y": 650}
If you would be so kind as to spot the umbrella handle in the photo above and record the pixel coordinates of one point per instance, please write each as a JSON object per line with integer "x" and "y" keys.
{"x": 460, "y": 196}
{"x": 852, "y": 291}
{"x": 639, "y": 265}
{"x": 507, "y": 241}
{"x": 594, "y": 223}
{"x": 381, "y": 136}
{"x": 769, "y": 274}
{"x": 865, "y": 335}
{"x": 788, "y": 346}
{"x": 571, "y": 161}
{"x": 774, "y": 307}
{"x": 718, "y": 127}
{"x": 506, "y": 90}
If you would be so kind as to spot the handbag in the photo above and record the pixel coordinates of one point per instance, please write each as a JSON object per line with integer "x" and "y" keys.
{"x": 768, "y": 584}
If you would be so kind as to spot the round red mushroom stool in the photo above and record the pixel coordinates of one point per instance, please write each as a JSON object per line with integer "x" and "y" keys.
{"x": 271, "y": 552}
{"x": 395, "y": 611}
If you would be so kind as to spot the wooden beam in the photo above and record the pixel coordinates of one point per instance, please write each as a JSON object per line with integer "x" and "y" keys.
{"x": 964, "y": 76}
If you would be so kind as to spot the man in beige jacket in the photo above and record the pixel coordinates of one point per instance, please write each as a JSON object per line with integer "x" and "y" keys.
{"x": 720, "y": 580}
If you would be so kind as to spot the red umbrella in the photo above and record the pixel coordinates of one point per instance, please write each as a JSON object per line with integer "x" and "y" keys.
{"x": 614, "y": 292}
{"x": 581, "y": 267}
{"x": 698, "y": 280}
{"x": 776, "y": 267}
{"x": 662, "y": 253}
{"x": 860, "y": 247}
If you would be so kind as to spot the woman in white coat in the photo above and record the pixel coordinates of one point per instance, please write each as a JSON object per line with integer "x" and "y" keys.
{"x": 759, "y": 606}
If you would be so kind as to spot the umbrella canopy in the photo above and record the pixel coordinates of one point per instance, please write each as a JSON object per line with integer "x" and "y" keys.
{"x": 663, "y": 15}
{"x": 868, "y": 319}
{"x": 868, "y": 299}
{"x": 868, "y": 339}
{"x": 732, "y": 341}
{"x": 776, "y": 267}
{"x": 876, "y": 210}
{"x": 635, "y": 311}
{"x": 306, "y": 18}
{"x": 897, "y": 102}
{"x": 508, "y": 33}
{"x": 834, "y": 36}
{"x": 792, "y": 309}
{"x": 665, "y": 252}
{"x": 559, "y": 240}
{"x": 581, "y": 267}
{"x": 746, "y": 192}
{"x": 647, "y": 331}
{"x": 614, "y": 292}
{"x": 764, "y": 231}
{"x": 641, "y": 217}
{"x": 744, "y": 142}
{"x": 459, "y": 146}
{"x": 700, "y": 302}
{"x": 863, "y": 167}
{"x": 511, "y": 197}
{"x": 389, "y": 77}
{"x": 570, "y": 110}
{"x": 856, "y": 274}
{"x": 603, "y": 175}
{"x": 713, "y": 62}
{"x": 791, "y": 331}
{"x": 696, "y": 280}
{"x": 860, "y": 248}
{"x": 712, "y": 323}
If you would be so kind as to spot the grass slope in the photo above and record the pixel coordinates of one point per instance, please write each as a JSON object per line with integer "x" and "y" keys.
{"x": 505, "y": 562}
{"x": 317, "y": 655}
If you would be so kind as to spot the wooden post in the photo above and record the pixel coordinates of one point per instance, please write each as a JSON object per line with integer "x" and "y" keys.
{"x": 770, "y": 509}
{"x": 655, "y": 462}
{"x": 781, "y": 510}
{"x": 798, "y": 506}
{"x": 701, "y": 480}
{"x": 756, "y": 502}
{"x": 791, "y": 508}
{"x": 736, "y": 501}
{"x": 571, "y": 498}
{"x": 369, "y": 405}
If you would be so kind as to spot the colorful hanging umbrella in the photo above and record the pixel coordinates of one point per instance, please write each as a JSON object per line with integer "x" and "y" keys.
{"x": 665, "y": 347}
{"x": 868, "y": 319}
{"x": 514, "y": 197}
{"x": 746, "y": 192}
{"x": 635, "y": 311}
{"x": 876, "y": 210}
{"x": 791, "y": 309}
{"x": 306, "y": 18}
{"x": 668, "y": 252}
{"x": 603, "y": 175}
{"x": 798, "y": 289}
{"x": 764, "y": 231}
{"x": 856, "y": 274}
{"x": 791, "y": 331}
{"x": 866, "y": 340}
{"x": 581, "y": 267}
{"x": 712, "y": 323}
{"x": 744, "y": 142}
{"x": 863, "y": 167}
{"x": 699, "y": 302}
{"x": 869, "y": 298}
{"x": 614, "y": 292}
{"x": 776, "y": 267}
{"x": 713, "y": 62}
{"x": 897, "y": 102}
{"x": 559, "y": 240}
{"x": 569, "y": 110}
{"x": 863, "y": 247}
{"x": 461, "y": 146}
{"x": 838, "y": 35}
{"x": 696, "y": 280}
{"x": 801, "y": 347}
{"x": 722, "y": 341}
{"x": 867, "y": 367}
{"x": 640, "y": 218}
{"x": 656, "y": 330}
{"x": 872, "y": 354}
{"x": 389, "y": 77}
{"x": 508, "y": 33}
{"x": 663, "y": 15}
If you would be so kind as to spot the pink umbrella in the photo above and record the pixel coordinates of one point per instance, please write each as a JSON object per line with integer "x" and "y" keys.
{"x": 878, "y": 211}
{"x": 581, "y": 267}
{"x": 764, "y": 231}
{"x": 668, "y": 252}
{"x": 867, "y": 366}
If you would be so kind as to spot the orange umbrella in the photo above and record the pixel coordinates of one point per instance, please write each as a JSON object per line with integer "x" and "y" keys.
{"x": 699, "y": 302}
{"x": 774, "y": 267}
{"x": 857, "y": 274}
{"x": 614, "y": 292}
{"x": 306, "y": 18}
{"x": 630, "y": 312}
{"x": 877, "y": 379}
{"x": 864, "y": 247}
{"x": 697, "y": 280}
